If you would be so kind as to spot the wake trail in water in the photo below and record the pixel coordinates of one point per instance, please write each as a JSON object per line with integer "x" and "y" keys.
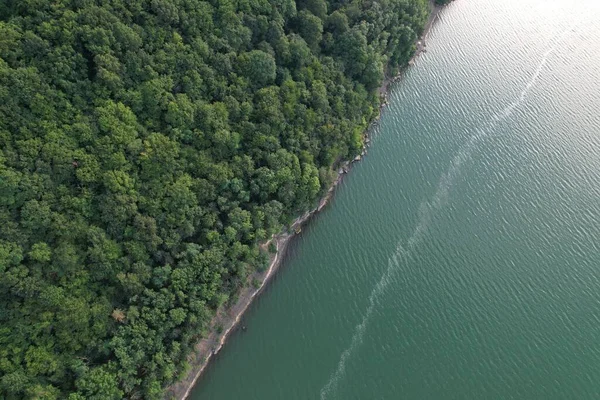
{"x": 427, "y": 210}
{"x": 360, "y": 329}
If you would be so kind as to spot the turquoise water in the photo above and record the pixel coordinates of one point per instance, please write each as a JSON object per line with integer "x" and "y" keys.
{"x": 461, "y": 259}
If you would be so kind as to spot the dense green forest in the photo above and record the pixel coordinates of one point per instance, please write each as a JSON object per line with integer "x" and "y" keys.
{"x": 146, "y": 148}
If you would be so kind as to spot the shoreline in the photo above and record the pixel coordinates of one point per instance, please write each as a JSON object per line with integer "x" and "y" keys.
{"x": 226, "y": 319}
{"x": 421, "y": 47}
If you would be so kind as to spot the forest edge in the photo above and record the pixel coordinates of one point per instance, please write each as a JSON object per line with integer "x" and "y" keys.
{"x": 227, "y": 317}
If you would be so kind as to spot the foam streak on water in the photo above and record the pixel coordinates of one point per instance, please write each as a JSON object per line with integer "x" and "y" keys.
{"x": 360, "y": 329}
{"x": 426, "y": 212}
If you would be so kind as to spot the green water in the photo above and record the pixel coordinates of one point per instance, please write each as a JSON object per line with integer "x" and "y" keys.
{"x": 461, "y": 259}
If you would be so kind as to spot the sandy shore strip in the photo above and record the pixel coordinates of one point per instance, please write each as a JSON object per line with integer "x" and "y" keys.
{"x": 227, "y": 319}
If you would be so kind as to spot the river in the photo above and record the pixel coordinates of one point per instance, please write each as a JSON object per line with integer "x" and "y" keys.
{"x": 461, "y": 258}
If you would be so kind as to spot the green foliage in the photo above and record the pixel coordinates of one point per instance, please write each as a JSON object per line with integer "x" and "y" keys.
{"x": 317, "y": 7}
{"x": 256, "y": 283}
{"x": 272, "y": 247}
{"x": 310, "y": 28}
{"x": 259, "y": 67}
{"x": 146, "y": 148}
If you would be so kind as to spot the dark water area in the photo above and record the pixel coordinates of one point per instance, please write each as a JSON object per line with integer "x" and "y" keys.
{"x": 461, "y": 259}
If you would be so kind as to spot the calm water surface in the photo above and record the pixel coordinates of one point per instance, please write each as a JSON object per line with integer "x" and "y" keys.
{"x": 461, "y": 260}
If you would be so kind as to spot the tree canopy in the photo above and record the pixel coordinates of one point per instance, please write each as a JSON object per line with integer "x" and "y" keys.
{"x": 146, "y": 148}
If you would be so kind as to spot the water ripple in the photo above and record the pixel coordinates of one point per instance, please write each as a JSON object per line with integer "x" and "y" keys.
{"x": 427, "y": 211}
